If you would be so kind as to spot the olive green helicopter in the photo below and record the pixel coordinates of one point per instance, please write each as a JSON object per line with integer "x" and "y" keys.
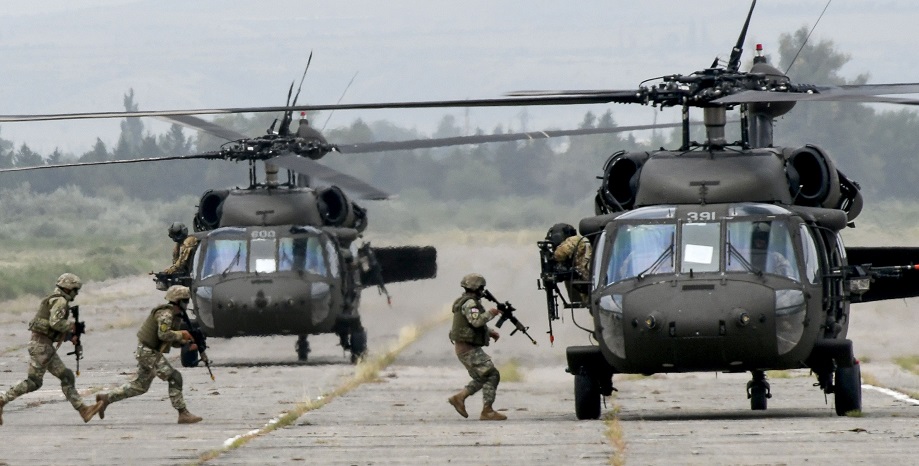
{"x": 725, "y": 256}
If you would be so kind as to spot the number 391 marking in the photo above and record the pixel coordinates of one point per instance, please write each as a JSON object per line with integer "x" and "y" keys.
{"x": 700, "y": 216}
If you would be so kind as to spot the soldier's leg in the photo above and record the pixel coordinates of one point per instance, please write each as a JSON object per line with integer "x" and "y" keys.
{"x": 146, "y": 371}
{"x": 68, "y": 381}
{"x": 165, "y": 371}
{"x": 479, "y": 366}
{"x": 39, "y": 354}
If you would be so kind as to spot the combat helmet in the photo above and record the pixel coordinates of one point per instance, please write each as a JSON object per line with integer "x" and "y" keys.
{"x": 178, "y": 231}
{"x": 177, "y": 293}
{"x": 69, "y": 281}
{"x": 473, "y": 281}
{"x": 559, "y": 232}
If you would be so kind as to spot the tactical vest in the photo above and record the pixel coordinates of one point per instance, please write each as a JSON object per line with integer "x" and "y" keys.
{"x": 148, "y": 335}
{"x": 41, "y": 323}
{"x": 462, "y": 330}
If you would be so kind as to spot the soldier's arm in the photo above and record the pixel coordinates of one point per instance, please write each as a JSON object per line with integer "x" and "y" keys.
{"x": 563, "y": 251}
{"x": 185, "y": 252}
{"x": 476, "y": 316}
{"x": 164, "y": 320}
{"x": 58, "y": 317}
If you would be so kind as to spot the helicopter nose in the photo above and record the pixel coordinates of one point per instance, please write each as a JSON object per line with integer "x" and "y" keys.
{"x": 260, "y": 301}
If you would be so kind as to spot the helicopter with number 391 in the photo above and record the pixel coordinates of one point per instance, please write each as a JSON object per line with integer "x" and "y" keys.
{"x": 726, "y": 256}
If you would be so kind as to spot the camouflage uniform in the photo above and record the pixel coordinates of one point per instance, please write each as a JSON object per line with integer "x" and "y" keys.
{"x": 181, "y": 256}
{"x": 469, "y": 332}
{"x": 574, "y": 252}
{"x": 158, "y": 332}
{"x": 50, "y": 327}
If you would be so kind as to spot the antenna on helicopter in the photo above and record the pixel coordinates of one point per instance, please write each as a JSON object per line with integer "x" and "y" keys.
{"x": 284, "y": 130}
{"x": 808, "y": 37}
{"x": 737, "y": 51}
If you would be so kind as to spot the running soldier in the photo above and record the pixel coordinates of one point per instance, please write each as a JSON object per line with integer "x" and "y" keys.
{"x": 469, "y": 334}
{"x": 156, "y": 335}
{"x": 50, "y": 328}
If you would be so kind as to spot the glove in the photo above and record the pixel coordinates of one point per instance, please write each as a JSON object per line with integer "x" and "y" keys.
{"x": 186, "y": 336}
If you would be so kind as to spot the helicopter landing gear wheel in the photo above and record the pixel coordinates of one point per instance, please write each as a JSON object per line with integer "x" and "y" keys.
{"x": 586, "y": 397}
{"x": 188, "y": 356}
{"x": 848, "y": 390}
{"x": 303, "y": 348}
{"x": 758, "y": 391}
{"x": 358, "y": 343}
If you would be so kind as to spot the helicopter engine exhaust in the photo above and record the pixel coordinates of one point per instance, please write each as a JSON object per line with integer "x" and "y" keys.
{"x": 338, "y": 211}
{"x": 620, "y": 182}
{"x": 818, "y": 181}
{"x": 210, "y": 209}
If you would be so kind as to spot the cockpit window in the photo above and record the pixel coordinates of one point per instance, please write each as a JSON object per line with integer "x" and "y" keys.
{"x": 760, "y": 246}
{"x": 262, "y": 259}
{"x": 224, "y": 256}
{"x": 304, "y": 253}
{"x": 700, "y": 246}
{"x": 641, "y": 250}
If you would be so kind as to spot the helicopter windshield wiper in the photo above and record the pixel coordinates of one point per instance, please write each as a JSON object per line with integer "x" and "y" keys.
{"x": 733, "y": 252}
{"x": 233, "y": 262}
{"x": 667, "y": 253}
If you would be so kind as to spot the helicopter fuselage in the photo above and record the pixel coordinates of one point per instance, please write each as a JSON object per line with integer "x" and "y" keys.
{"x": 271, "y": 280}
{"x": 712, "y": 287}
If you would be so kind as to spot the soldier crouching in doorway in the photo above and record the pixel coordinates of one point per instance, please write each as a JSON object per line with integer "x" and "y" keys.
{"x": 469, "y": 335}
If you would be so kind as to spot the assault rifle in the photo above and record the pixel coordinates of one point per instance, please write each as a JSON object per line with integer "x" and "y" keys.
{"x": 199, "y": 339}
{"x": 549, "y": 277}
{"x": 79, "y": 328}
{"x": 165, "y": 280}
{"x": 507, "y": 313}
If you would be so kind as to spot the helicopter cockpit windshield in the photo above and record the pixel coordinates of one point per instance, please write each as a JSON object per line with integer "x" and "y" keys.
{"x": 757, "y": 241}
{"x": 238, "y": 250}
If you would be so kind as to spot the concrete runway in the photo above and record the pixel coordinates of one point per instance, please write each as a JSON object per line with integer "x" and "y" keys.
{"x": 403, "y": 418}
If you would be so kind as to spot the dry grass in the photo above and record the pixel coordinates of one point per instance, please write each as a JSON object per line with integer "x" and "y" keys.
{"x": 615, "y": 435}
{"x": 908, "y": 363}
{"x": 511, "y": 371}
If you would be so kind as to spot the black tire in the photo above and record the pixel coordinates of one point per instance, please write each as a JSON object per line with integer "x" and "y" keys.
{"x": 303, "y": 348}
{"x": 586, "y": 397}
{"x": 848, "y": 390}
{"x": 758, "y": 399}
{"x": 189, "y": 358}
{"x": 358, "y": 344}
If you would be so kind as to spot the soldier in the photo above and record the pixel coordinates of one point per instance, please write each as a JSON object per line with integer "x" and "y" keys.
{"x": 572, "y": 251}
{"x": 156, "y": 335}
{"x": 183, "y": 250}
{"x": 50, "y": 327}
{"x": 469, "y": 334}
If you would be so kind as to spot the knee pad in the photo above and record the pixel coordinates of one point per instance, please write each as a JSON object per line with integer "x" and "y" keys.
{"x": 67, "y": 378}
{"x": 34, "y": 383}
{"x": 175, "y": 380}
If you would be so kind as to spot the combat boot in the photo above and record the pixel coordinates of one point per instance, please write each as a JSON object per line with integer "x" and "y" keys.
{"x": 87, "y": 412}
{"x": 102, "y": 401}
{"x": 459, "y": 402}
{"x": 489, "y": 414}
{"x": 186, "y": 417}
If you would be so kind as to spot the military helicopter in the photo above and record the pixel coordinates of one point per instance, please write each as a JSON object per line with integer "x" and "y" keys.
{"x": 281, "y": 257}
{"x": 726, "y": 256}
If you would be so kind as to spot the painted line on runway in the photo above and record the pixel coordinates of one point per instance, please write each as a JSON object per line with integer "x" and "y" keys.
{"x": 365, "y": 371}
{"x": 893, "y": 394}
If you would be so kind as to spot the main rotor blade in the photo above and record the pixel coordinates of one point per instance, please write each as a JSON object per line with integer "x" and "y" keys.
{"x": 383, "y": 146}
{"x": 112, "y": 162}
{"x": 847, "y": 93}
{"x": 361, "y": 189}
{"x": 209, "y": 127}
{"x": 580, "y": 99}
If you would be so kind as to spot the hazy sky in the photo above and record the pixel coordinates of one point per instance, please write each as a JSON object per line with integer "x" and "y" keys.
{"x": 67, "y": 56}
